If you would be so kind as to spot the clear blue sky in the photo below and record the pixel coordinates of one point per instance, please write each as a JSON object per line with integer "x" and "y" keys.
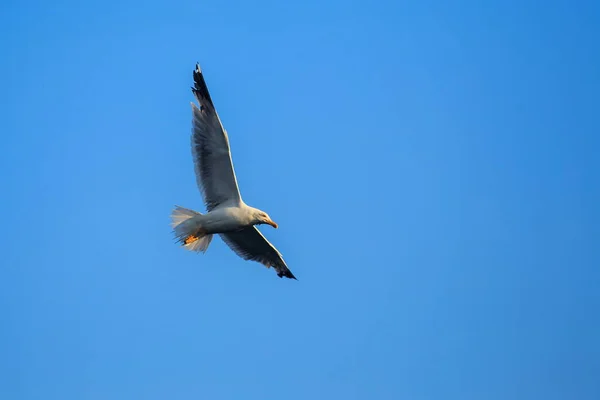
{"x": 434, "y": 169}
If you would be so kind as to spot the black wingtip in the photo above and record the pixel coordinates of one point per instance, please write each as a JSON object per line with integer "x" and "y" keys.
{"x": 200, "y": 89}
{"x": 288, "y": 274}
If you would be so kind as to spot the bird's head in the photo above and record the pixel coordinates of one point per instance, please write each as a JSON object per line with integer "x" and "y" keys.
{"x": 261, "y": 217}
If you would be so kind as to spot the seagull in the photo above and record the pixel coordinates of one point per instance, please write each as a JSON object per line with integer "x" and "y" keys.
{"x": 227, "y": 215}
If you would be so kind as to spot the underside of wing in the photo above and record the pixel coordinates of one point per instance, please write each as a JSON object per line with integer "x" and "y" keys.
{"x": 250, "y": 244}
{"x": 210, "y": 149}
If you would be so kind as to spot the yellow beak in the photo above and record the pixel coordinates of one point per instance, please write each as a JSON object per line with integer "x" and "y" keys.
{"x": 272, "y": 223}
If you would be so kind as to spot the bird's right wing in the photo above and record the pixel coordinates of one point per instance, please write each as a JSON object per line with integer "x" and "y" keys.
{"x": 250, "y": 244}
{"x": 210, "y": 149}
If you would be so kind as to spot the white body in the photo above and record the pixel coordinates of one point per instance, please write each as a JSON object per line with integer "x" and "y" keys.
{"x": 225, "y": 219}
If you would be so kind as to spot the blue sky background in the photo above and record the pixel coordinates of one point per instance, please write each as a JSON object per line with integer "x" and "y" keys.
{"x": 433, "y": 167}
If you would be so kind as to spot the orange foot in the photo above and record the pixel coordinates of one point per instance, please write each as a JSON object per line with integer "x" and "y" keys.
{"x": 190, "y": 239}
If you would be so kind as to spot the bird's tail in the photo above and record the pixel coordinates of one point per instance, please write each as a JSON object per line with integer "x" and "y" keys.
{"x": 188, "y": 229}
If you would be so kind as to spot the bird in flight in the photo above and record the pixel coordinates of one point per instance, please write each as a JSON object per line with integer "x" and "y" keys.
{"x": 227, "y": 215}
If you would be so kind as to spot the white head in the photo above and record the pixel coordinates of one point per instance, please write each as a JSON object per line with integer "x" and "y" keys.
{"x": 261, "y": 217}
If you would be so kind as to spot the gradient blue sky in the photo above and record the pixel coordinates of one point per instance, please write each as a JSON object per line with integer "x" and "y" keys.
{"x": 433, "y": 167}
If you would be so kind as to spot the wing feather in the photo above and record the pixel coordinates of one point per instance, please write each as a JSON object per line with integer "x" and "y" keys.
{"x": 210, "y": 149}
{"x": 250, "y": 244}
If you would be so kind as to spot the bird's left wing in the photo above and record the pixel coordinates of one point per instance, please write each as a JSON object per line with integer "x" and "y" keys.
{"x": 210, "y": 148}
{"x": 250, "y": 244}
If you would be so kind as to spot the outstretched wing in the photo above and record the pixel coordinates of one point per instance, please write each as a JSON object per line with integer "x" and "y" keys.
{"x": 250, "y": 244}
{"x": 210, "y": 149}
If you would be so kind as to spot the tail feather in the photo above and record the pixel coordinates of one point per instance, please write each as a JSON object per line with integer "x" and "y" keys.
{"x": 181, "y": 214}
{"x": 188, "y": 230}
